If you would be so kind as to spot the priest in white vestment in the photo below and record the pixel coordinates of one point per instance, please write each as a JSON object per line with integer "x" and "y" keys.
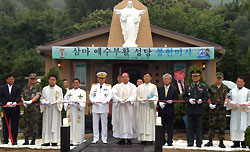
{"x": 52, "y": 96}
{"x": 75, "y": 102}
{"x": 114, "y": 104}
{"x": 100, "y": 95}
{"x": 125, "y": 114}
{"x": 147, "y": 96}
{"x": 237, "y": 100}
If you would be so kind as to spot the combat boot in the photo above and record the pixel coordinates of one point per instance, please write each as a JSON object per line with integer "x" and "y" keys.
{"x": 33, "y": 141}
{"x": 221, "y": 144}
{"x": 26, "y": 142}
{"x": 243, "y": 144}
{"x": 236, "y": 144}
{"x": 210, "y": 143}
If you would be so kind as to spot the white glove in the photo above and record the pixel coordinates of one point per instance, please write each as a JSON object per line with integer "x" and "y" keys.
{"x": 141, "y": 100}
{"x": 25, "y": 105}
{"x": 46, "y": 102}
{"x": 13, "y": 104}
{"x": 169, "y": 101}
{"x": 199, "y": 101}
{"x": 191, "y": 101}
{"x": 9, "y": 104}
{"x": 162, "y": 105}
{"x": 211, "y": 106}
{"x": 27, "y": 102}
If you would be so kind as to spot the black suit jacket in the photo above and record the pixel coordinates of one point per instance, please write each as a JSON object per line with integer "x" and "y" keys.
{"x": 172, "y": 95}
{"x": 5, "y": 96}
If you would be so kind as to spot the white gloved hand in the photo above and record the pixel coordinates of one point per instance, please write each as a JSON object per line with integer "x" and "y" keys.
{"x": 46, "y": 102}
{"x": 169, "y": 101}
{"x": 142, "y": 100}
{"x": 27, "y": 102}
{"x": 25, "y": 105}
{"x": 9, "y": 104}
{"x": 199, "y": 101}
{"x": 225, "y": 104}
{"x": 191, "y": 101}
{"x": 211, "y": 106}
{"x": 13, "y": 104}
{"x": 162, "y": 105}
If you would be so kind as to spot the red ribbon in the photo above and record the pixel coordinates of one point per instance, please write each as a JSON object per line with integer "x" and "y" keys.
{"x": 8, "y": 126}
{"x": 181, "y": 101}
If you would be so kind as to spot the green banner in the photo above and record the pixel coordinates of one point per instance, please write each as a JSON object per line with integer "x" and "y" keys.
{"x": 133, "y": 53}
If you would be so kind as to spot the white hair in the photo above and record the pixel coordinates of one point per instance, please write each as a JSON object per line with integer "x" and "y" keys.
{"x": 167, "y": 74}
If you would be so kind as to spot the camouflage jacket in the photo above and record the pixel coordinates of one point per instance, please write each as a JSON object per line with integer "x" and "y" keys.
{"x": 218, "y": 94}
{"x": 28, "y": 93}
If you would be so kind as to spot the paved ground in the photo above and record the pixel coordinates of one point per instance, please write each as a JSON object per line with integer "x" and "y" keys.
{"x": 179, "y": 146}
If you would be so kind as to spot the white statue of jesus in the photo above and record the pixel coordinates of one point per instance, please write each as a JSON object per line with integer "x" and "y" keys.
{"x": 130, "y": 19}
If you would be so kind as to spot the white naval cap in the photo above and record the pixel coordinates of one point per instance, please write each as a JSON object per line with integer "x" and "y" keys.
{"x": 101, "y": 74}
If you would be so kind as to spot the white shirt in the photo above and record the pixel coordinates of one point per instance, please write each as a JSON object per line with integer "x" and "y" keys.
{"x": 10, "y": 87}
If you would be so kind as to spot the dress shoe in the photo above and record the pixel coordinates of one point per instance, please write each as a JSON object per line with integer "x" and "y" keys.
{"x": 169, "y": 143}
{"x": 54, "y": 144}
{"x": 33, "y": 141}
{"x": 129, "y": 142}
{"x": 14, "y": 143}
{"x": 243, "y": 144}
{"x": 45, "y": 144}
{"x": 5, "y": 142}
{"x": 143, "y": 143}
{"x": 150, "y": 142}
{"x": 121, "y": 142}
{"x": 94, "y": 141}
{"x": 199, "y": 146}
{"x": 105, "y": 141}
{"x": 190, "y": 145}
{"x": 26, "y": 141}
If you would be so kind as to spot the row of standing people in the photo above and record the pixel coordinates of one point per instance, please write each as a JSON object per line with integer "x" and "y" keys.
{"x": 133, "y": 108}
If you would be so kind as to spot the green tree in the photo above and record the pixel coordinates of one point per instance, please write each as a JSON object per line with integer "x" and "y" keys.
{"x": 96, "y": 19}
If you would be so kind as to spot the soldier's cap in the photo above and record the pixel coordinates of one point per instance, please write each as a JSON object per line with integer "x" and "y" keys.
{"x": 219, "y": 75}
{"x": 196, "y": 73}
{"x": 33, "y": 76}
{"x": 101, "y": 74}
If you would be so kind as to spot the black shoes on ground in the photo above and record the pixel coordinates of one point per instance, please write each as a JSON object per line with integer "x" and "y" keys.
{"x": 125, "y": 141}
{"x": 210, "y": 143}
{"x": 147, "y": 142}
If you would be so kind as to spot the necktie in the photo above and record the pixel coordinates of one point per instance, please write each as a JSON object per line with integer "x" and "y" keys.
{"x": 166, "y": 91}
{"x": 100, "y": 87}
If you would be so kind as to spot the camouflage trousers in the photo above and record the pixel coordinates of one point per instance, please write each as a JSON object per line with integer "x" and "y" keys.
{"x": 217, "y": 119}
{"x": 31, "y": 120}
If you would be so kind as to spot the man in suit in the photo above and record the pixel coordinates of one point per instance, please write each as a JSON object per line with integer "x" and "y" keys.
{"x": 10, "y": 94}
{"x": 167, "y": 93}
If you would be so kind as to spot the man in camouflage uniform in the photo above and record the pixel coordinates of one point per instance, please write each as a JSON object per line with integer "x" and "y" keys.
{"x": 30, "y": 95}
{"x": 217, "y": 112}
{"x": 195, "y": 93}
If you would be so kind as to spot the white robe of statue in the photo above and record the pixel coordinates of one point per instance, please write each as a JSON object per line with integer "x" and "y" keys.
{"x": 125, "y": 111}
{"x": 239, "y": 114}
{"x": 76, "y": 99}
{"x": 130, "y": 19}
{"x": 51, "y": 113}
{"x": 147, "y": 111}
